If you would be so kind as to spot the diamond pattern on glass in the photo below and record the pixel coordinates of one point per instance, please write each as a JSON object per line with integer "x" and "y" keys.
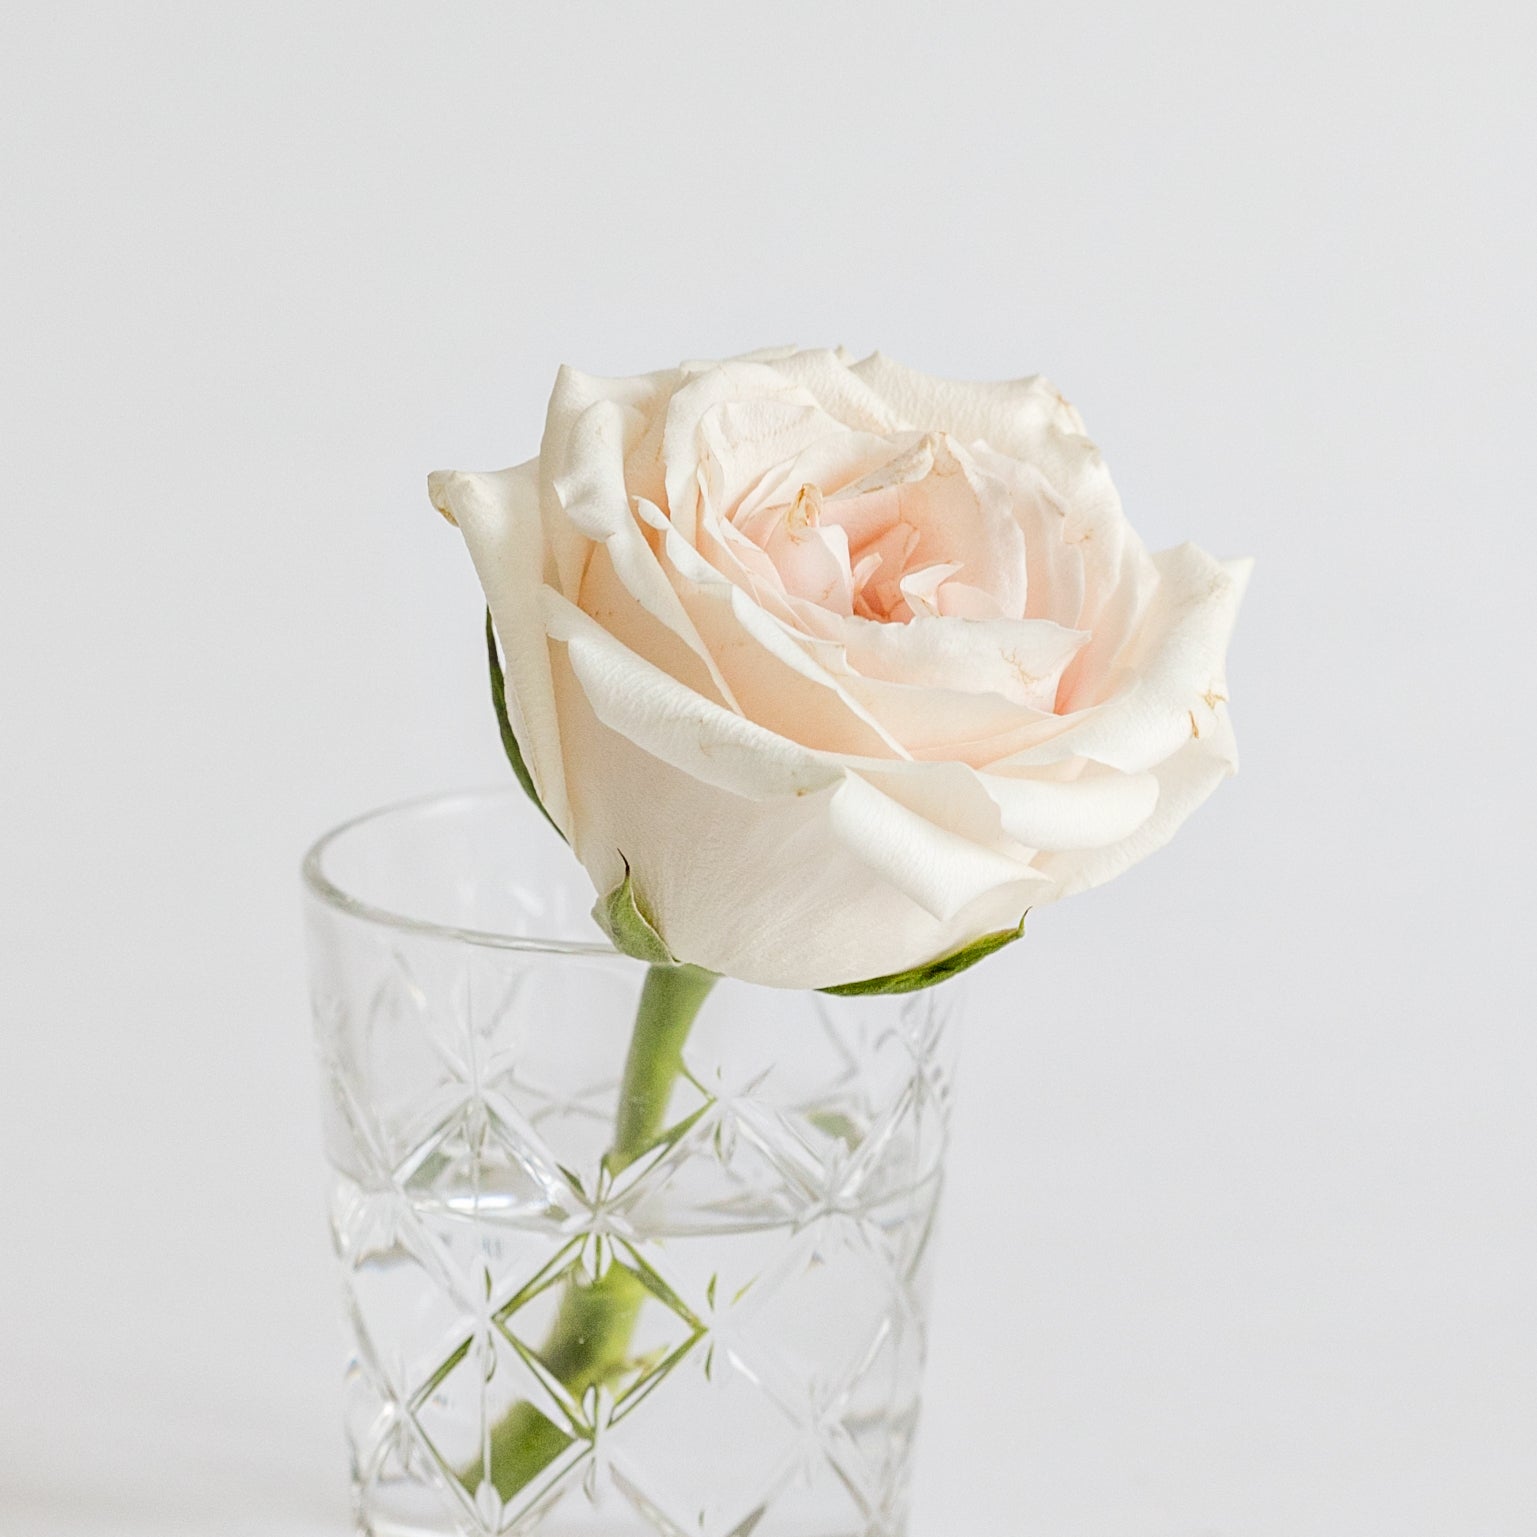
{"x": 599, "y": 1278}
{"x": 478, "y": 1387}
{"x": 722, "y": 1338}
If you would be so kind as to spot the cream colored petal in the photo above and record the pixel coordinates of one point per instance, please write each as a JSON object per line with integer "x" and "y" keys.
{"x": 1054, "y": 550}
{"x": 843, "y": 393}
{"x": 1087, "y": 567}
{"x": 1093, "y": 811}
{"x": 1009, "y": 414}
{"x": 691, "y": 846}
{"x": 1172, "y": 664}
{"x": 769, "y": 418}
{"x": 1020, "y": 659}
{"x": 574, "y": 394}
{"x": 940, "y": 870}
{"x": 829, "y": 462}
{"x": 673, "y": 723}
{"x": 746, "y": 442}
{"x": 594, "y": 498}
{"x": 498, "y": 514}
{"x": 921, "y": 588}
{"x": 1185, "y": 780}
{"x": 936, "y": 724}
{"x": 777, "y": 674}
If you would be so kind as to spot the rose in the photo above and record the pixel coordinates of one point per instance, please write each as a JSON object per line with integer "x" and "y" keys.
{"x": 827, "y": 672}
{"x": 830, "y": 669}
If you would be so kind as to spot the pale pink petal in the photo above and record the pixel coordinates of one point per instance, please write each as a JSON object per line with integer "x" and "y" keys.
{"x": 812, "y": 560}
{"x": 963, "y": 515}
{"x": 921, "y": 587}
{"x": 778, "y": 674}
{"x": 829, "y": 462}
{"x": 726, "y": 425}
{"x": 627, "y": 589}
{"x": 960, "y": 600}
{"x": 1173, "y": 668}
{"x": 1021, "y": 659}
{"x": 675, "y": 724}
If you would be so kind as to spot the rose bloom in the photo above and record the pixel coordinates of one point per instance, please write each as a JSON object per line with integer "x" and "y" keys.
{"x": 846, "y": 665}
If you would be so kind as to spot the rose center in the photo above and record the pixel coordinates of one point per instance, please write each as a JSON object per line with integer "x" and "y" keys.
{"x": 921, "y": 537}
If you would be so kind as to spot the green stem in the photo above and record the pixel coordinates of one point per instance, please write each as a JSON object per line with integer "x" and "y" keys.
{"x": 590, "y": 1341}
{"x": 669, "y": 1003}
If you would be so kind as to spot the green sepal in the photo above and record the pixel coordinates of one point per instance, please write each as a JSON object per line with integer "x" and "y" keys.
{"x": 619, "y": 916}
{"x": 936, "y": 971}
{"x": 509, "y": 741}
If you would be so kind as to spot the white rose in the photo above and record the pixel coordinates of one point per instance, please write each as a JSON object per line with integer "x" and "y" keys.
{"x": 847, "y": 666}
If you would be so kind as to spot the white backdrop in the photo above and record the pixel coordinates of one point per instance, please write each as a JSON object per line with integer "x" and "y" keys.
{"x": 1242, "y": 1239}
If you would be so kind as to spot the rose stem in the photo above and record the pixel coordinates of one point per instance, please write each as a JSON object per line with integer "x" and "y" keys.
{"x": 669, "y": 1003}
{"x": 590, "y": 1338}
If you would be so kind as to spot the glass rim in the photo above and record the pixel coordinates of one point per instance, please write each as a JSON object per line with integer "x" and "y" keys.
{"x": 319, "y": 884}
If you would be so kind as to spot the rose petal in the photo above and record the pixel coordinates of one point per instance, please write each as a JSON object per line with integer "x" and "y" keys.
{"x": 781, "y": 679}
{"x": 1010, "y": 415}
{"x": 830, "y": 462}
{"x": 1021, "y": 659}
{"x": 1174, "y": 662}
{"x": 921, "y": 588}
{"x": 1094, "y": 810}
{"x": 687, "y": 844}
{"x": 962, "y": 514}
{"x": 592, "y": 496}
{"x": 1184, "y": 781}
{"x": 843, "y": 393}
{"x": 674, "y": 723}
{"x": 498, "y": 514}
{"x": 940, "y": 870}
{"x": 937, "y": 724}
{"x": 771, "y": 418}
{"x": 574, "y": 394}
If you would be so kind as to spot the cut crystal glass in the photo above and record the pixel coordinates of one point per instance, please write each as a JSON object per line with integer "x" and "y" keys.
{"x": 720, "y": 1336}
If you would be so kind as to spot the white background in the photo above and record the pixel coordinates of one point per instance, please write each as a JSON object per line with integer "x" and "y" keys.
{"x": 1242, "y": 1239}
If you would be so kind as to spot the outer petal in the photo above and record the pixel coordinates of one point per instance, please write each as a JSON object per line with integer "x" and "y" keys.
{"x": 574, "y": 394}
{"x": 672, "y": 723}
{"x": 591, "y": 494}
{"x": 945, "y": 725}
{"x": 844, "y": 393}
{"x": 767, "y": 418}
{"x": 1011, "y": 415}
{"x": 1174, "y": 668}
{"x": 498, "y": 515}
{"x": 1092, "y": 811}
{"x": 940, "y": 870}
{"x": 1184, "y": 781}
{"x": 761, "y": 889}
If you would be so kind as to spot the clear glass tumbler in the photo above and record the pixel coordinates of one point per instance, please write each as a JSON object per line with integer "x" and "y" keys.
{"x": 594, "y": 1284}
